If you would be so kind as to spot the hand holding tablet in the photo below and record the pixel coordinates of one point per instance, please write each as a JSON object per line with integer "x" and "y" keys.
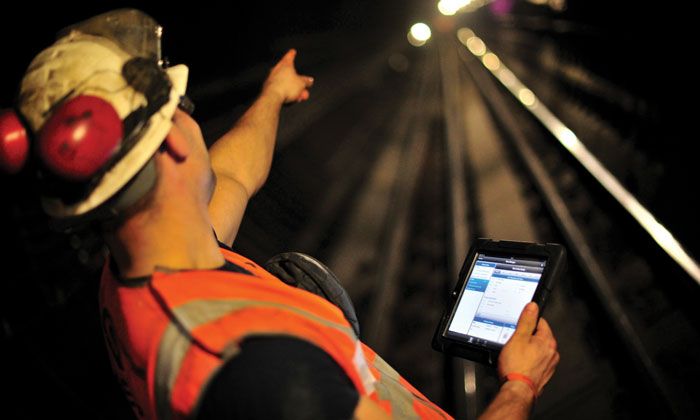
{"x": 497, "y": 280}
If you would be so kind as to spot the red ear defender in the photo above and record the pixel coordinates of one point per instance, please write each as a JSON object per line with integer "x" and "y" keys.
{"x": 14, "y": 143}
{"x": 79, "y": 137}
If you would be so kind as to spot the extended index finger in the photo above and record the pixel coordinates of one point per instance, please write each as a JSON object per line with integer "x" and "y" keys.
{"x": 286, "y": 60}
{"x": 291, "y": 54}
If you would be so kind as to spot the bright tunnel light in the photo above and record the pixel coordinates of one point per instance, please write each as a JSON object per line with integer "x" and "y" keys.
{"x": 463, "y": 34}
{"x": 476, "y": 46}
{"x": 420, "y": 33}
{"x": 450, "y": 7}
{"x": 526, "y": 96}
{"x": 491, "y": 61}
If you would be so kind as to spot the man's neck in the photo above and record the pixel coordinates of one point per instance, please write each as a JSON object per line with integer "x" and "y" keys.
{"x": 178, "y": 240}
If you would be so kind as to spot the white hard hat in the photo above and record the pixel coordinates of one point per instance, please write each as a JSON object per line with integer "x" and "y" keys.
{"x": 113, "y": 58}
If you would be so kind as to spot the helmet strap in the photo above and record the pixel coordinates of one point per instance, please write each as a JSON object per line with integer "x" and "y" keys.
{"x": 138, "y": 187}
{"x": 132, "y": 192}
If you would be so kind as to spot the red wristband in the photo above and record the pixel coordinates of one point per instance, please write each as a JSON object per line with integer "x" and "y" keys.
{"x": 523, "y": 378}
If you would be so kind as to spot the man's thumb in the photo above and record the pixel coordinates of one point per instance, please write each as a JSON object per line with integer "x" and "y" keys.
{"x": 527, "y": 322}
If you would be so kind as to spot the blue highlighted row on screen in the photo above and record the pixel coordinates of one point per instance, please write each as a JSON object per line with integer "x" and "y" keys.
{"x": 501, "y": 276}
{"x": 477, "y": 285}
{"x": 485, "y": 264}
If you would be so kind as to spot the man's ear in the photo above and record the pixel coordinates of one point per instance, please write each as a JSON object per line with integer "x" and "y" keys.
{"x": 176, "y": 144}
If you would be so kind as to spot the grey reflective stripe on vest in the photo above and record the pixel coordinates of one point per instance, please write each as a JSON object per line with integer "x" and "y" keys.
{"x": 199, "y": 312}
{"x": 389, "y": 388}
{"x": 171, "y": 352}
{"x": 176, "y": 340}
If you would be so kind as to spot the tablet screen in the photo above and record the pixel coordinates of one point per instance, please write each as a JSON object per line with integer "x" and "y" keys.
{"x": 497, "y": 290}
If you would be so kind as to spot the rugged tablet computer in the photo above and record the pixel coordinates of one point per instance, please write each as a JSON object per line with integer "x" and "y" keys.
{"x": 497, "y": 280}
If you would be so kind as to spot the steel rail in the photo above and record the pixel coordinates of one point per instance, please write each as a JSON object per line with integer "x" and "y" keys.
{"x": 578, "y": 245}
{"x": 662, "y": 236}
{"x": 459, "y": 232}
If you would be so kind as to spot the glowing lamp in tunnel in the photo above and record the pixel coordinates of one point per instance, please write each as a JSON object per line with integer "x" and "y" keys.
{"x": 476, "y": 46}
{"x": 526, "y": 96}
{"x": 419, "y": 34}
{"x": 567, "y": 138}
{"x": 450, "y": 7}
{"x": 463, "y": 34}
{"x": 491, "y": 61}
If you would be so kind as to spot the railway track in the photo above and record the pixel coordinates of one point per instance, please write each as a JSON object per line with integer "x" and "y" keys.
{"x": 628, "y": 328}
{"x": 453, "y": 156}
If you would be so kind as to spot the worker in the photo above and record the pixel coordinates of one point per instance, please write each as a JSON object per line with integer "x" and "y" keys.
{"x": 193, "y": 329}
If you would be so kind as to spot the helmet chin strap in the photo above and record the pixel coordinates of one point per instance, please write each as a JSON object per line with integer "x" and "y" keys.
{"x": 133, "y": 191}
{"x": 138, "y": 187}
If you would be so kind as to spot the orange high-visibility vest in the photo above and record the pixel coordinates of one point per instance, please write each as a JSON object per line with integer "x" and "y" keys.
{"x": 169, "y": 334}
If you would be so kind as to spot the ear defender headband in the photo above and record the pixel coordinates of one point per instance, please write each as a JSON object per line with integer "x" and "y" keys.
{"x": 93, "y": 109}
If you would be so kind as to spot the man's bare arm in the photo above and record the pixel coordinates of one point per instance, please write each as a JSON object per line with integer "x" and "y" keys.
{"x": 241, "y": 158}
{"x": 534, "y": 356}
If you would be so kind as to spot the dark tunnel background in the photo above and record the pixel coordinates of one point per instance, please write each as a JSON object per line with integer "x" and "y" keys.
{"x": 53, "y": 355}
